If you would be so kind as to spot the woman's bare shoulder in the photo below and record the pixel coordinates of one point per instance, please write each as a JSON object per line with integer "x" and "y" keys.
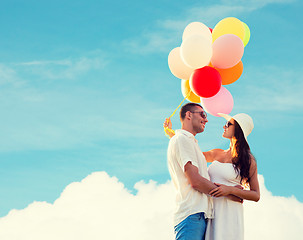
{"x": 216, "y": 152}
{"x": 212, "y": 154}
{"x": 253, "y": 164}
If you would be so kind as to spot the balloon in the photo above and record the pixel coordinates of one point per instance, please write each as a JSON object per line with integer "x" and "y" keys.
{"x": 196, "y": 51}
{"x": 211, "y": 30}
{"x": 229, "y": 25}
{"x": 205, "y": 82}
{"x": 177, "y": 66}
{"x": 227, "y": 51}
{"x": 185, "y": 88}
{"x": 222, "y": 102}
{"x": 246, "y": 35}
{"x": 197, "y": 28}
{"x": 230, "y": 75}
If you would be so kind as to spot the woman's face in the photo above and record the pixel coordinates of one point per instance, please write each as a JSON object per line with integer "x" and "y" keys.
{"x": 229, "y": 129}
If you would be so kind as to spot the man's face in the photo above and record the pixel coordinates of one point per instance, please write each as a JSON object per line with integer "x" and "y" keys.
{"x": 199, "y": 119}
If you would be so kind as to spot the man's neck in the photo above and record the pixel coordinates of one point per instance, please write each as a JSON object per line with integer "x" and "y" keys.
{"x": 188, "y": 129}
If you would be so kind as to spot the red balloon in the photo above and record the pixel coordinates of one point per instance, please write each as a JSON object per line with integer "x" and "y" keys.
{"x": 205, "y": 82}
{"x": 211, "y": 30}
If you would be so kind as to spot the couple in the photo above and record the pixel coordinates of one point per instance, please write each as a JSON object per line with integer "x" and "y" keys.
{"x": 215, "y": 194}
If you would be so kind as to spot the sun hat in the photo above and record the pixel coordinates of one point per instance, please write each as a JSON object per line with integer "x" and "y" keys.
{"x": 244, "y": 120}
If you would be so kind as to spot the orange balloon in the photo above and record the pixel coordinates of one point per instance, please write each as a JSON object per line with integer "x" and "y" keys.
{"x": 230, "y": 75}
{"x": 185, "y": 88}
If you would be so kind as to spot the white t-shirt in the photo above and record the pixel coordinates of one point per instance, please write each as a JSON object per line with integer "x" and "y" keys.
{"x": 183, "y": 148}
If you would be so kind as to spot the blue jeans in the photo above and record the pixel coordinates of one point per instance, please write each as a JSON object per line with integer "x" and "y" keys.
{"x": 191, "y": 228}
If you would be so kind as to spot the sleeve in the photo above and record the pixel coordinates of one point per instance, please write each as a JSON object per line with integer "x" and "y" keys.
{"x": 186, "y": 151}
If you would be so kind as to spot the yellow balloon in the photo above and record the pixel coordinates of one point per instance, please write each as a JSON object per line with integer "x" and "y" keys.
{"x": 246, "y": 35}
{"x": 185, "y": 88}
{"x": 230, "y": 25}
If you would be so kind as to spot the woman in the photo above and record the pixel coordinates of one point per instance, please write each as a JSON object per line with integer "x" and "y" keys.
{"x": 230, "y": 168}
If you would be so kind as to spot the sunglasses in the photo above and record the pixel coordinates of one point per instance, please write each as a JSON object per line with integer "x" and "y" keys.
{"x": 202, "y": 114}
{"x": 228, "y": 124}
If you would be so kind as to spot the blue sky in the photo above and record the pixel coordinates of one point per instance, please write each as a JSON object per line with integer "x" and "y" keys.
{"x": 85, "y": 87}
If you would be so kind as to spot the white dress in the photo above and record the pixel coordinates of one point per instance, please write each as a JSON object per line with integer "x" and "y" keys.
{"x": 228, "y": 222}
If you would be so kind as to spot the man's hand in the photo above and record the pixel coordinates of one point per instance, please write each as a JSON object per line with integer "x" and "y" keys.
{"x": 220, "y": 191}
{"x": 167, "y": 123}
{"x": 223, "y": 190}
{"x": 168, "y": 128}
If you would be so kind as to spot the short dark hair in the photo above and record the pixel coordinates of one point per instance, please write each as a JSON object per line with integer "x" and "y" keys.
{"x": 188, "y": 107}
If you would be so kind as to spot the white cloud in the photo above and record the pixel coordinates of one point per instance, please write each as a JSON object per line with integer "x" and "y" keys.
{"x": 63, "y": 68}
{"x": 168, "y": 32}
{"x": 99, "y": 207}
{"x": 8, "y": 76}
{"x": 64, "y": 62}
{"x": 269, "y": 89}
{"x": 150, "y": 42}
{"x": 273, "y": 217}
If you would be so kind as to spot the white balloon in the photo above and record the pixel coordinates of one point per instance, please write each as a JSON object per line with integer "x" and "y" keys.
{"x": 177, "y": 67}
{"x": 196, "y": 51}
{"x": 197, "y": 28}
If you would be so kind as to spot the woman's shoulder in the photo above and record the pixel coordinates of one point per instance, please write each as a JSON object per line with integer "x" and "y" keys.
{"x": 253, "y": 164}
{"x": 211, "y": 155}
{"x": 216, "y": 152}
{"x": 253, "y": 161}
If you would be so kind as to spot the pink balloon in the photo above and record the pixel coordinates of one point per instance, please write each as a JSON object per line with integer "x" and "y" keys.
{"x": 227, "y": 51}
{"x": 222, "y": 102}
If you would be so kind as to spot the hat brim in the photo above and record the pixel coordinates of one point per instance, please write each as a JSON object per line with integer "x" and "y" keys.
{"x": 226, "y": 116}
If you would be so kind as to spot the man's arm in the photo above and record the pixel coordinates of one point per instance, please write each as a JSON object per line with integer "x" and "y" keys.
{"x": 197, "y": 182}
{"x": 200, "y": 183}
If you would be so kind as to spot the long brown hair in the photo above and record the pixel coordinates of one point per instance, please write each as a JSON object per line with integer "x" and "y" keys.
{"x": 241, "y": 154}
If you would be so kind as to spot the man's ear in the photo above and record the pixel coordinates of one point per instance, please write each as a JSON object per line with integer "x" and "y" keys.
{"x": 188, "y": 115}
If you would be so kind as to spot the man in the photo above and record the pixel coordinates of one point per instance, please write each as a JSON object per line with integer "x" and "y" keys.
{"x": 188, "y": 170}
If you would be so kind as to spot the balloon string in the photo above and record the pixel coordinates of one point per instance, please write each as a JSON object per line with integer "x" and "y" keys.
{"x": 166, "y": 129}
{"x": 180, "y": 104}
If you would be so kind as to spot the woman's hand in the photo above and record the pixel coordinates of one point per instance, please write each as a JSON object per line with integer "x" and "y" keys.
{"x": 221, "y": 190}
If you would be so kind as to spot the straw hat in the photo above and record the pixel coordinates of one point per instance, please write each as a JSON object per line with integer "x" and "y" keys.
{"x": 244, "y": 120}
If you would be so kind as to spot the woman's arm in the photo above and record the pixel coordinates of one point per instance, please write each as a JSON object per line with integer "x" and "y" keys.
{"x": 208, "y": 156}
{"x": 253, "y": 194}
